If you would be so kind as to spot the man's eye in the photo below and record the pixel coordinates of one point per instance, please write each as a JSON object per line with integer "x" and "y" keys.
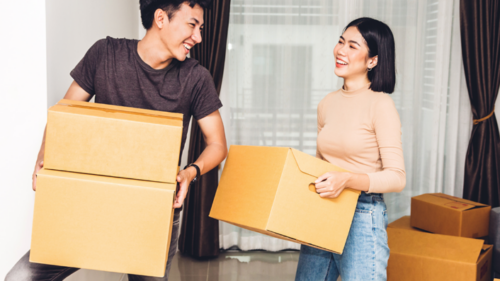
{"x": 192, "y": 24}
{"x": 352, "y": 47}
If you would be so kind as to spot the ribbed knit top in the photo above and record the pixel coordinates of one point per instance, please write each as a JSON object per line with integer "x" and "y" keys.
{"x": 360, "y": 131}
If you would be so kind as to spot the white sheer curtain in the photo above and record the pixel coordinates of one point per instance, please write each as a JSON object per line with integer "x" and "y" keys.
{"x": 280, "y": 64}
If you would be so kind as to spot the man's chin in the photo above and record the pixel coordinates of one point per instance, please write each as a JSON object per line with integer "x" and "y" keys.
{"x": 181, "y": 57}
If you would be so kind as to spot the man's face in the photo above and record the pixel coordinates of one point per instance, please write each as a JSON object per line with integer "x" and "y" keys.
{"x": 182, "y": 31}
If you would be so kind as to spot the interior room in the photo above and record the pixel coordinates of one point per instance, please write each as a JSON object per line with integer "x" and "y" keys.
{"x": 272, "y": 63}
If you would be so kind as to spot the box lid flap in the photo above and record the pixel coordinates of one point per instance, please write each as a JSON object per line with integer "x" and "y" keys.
{"x": 449, "y": 201}
{"x": 402, "y": 223}
{"x": 408, "y": 242}
{"x": 311, "y": 165}
{"x": 121, "y": 109}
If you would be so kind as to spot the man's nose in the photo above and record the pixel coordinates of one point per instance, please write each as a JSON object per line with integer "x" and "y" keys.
{"x": 196, "y": 36}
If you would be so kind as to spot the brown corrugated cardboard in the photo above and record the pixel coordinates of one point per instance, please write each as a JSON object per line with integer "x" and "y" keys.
{"x": 268, "y": 190}
{"x": 445, "y": 214}
{"x": 113, "y": 141}
{"x": 102, "y": 223}
{"x": 417, "y": 255}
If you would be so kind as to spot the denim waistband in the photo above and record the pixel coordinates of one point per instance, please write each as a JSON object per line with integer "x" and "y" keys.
{"x": 370, "y": 197}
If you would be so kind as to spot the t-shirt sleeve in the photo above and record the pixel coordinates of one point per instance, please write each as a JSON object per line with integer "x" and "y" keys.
{"x": 205, "y": 99}
{"x": 85, "y": 71}
{"x": 387, "y": 126}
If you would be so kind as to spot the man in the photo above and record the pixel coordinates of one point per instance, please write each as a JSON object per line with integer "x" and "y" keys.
{"x": 152, "y": 73}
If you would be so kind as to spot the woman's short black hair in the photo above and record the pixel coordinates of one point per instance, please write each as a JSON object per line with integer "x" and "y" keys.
{"x": 149, "y": 7}
{"x": 380, "y": 41}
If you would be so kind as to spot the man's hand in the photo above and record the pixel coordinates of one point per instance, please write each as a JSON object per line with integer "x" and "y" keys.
{"x": 184, "y": 178}
{"x": 331, "y": 184}
{"x": 38, "y": 166}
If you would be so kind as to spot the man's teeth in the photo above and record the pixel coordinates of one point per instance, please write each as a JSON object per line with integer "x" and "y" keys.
{"x": 341, "y": 62}
{"x": 187, "y": 46}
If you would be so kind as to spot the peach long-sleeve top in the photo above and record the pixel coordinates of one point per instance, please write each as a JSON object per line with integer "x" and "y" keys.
{"x": 361, "y": 131}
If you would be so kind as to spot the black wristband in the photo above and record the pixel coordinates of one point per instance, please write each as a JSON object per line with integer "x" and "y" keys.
{"x": 197, "y": 171}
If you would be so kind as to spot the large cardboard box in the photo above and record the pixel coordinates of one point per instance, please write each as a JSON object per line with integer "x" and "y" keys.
{"x": 417, "y": 256}
{"x": 269, "y": 190}
{"x": 102, "y": 223}
{"x": 445, "y": 214}
{"x": 113, "y": 141}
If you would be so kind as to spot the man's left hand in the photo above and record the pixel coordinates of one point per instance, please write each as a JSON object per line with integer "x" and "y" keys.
{"x": 184, "y": 179}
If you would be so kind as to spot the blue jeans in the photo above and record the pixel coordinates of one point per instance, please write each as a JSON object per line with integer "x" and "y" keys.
{"x": 366, "y": 251}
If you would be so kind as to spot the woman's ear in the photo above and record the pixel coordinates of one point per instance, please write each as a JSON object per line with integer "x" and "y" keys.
{"x": 372, "y": 62}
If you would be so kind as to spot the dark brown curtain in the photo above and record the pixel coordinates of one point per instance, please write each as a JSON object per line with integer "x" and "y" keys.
{"x": 480, "y": 30}
{"x": 199, "y": 236}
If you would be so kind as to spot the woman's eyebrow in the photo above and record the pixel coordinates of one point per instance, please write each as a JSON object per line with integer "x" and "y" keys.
{"x": 352, "y": 41}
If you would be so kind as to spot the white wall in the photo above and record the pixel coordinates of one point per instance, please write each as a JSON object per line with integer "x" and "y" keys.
{"x": 42, "y": 42}
{"x": 22, "y": 118}
{"x": 73, "y": 26}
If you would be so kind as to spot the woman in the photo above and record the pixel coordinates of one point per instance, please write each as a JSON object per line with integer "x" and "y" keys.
{"x": 359, "y": 130}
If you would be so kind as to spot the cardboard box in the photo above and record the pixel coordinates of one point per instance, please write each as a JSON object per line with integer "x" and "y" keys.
{"x": 269, "y": 190}
{"x": 417, "y": 255}
{"x": 445, "y": 214}
{"x": 113, "y": 141}
{"x": 102, "y": 223}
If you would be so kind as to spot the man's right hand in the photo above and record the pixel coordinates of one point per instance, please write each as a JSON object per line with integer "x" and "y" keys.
{"x": 38, "y": 166}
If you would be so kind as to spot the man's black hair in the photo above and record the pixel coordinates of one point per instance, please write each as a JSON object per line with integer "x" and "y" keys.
{"x": 149, "y": 7}
{"x": 380, "y": 41}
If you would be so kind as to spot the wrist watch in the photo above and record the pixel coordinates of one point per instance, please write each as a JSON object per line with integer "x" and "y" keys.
{"x": 197, "y": 171}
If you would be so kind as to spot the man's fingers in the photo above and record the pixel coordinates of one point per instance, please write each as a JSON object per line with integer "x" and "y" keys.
{"x": 181, "y": 195}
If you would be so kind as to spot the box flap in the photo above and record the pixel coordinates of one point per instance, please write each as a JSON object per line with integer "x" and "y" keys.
{"x": 402, "y": 223}
{"x": 311, "y": 166}
{"x": 300, "y": 213}
{"x": 124, "y": 109}
{"x": 248, "y": 185}
{"x": 449, "y": 201}
{"x": 408, "y": 242}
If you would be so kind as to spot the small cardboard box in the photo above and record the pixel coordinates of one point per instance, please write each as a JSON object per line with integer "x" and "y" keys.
{"x": 417, "y": 256}
{"x": 269, "y": 190}
{"x": 102, "y": 223}
{"x": 445, "y": 214}
{"x": 113, "y": 141}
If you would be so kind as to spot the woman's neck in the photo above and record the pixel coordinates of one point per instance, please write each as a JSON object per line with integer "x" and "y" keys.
{"x": 352, "y": 84}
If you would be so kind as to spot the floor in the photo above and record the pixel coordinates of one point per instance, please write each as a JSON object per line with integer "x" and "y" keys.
{"x": 229, "y": 266}
{"x": 237, "y": 266}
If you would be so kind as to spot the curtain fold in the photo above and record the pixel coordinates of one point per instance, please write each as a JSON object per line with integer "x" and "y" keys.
{"x": 480, "y": 30}
{"x": 199, "y": 235}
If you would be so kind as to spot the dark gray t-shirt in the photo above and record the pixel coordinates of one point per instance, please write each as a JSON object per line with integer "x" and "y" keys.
{"x": 113, "y": 71}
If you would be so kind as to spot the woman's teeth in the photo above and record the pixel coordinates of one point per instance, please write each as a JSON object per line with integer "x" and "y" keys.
{"x": 341, "y": 62}
{"x": 187, "y": 46}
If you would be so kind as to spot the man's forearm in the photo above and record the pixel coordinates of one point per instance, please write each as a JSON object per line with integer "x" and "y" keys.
{"x": 211, "y": 156}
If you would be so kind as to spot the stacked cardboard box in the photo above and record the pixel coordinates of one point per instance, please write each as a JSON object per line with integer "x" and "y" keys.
{"x": 104, "y": 198}
{"x": 271, "y": 190}
{"x": 435, "y": 244}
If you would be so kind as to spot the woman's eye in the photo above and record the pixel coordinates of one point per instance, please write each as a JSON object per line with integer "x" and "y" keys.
{"x": 352, "y": 47}
{"x": 340, "y": 42}
{"x": 191, "y": 24}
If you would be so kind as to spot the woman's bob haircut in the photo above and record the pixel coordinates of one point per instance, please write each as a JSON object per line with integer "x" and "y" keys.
{"x": 380, "y": 41}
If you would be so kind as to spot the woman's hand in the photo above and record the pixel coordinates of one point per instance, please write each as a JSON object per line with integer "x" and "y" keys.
{"x": 331, "y": 184}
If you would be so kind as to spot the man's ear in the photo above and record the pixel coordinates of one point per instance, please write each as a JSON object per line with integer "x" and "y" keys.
{"x": 372, "y": 62}
{"x": 160, "y": 18}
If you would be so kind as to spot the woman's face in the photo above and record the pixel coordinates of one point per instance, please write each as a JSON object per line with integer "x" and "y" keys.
{"x": 351, "y": 55}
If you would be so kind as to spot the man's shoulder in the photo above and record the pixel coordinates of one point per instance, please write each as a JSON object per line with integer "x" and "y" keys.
{"x": 194, "y": 67}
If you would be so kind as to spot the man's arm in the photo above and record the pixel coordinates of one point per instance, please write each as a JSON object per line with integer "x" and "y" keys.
{"x": 213, "y": 154}
{"x": 75, "y": 92}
